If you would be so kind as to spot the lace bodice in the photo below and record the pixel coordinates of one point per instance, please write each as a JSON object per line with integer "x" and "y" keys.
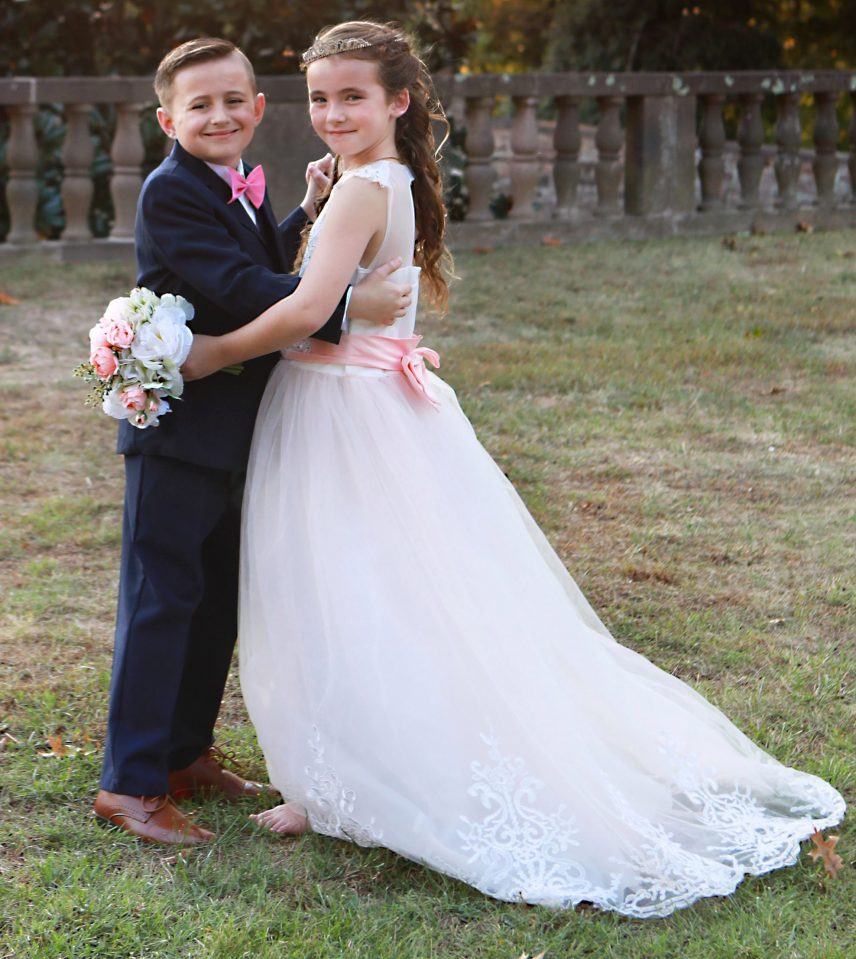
{"x": 399, "y": 240}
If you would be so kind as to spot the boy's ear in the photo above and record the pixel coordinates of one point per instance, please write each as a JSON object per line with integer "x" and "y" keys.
{"x": 400, "y": 103}
{"x": 165, "y": 122}
{"x": 259, "y": 107}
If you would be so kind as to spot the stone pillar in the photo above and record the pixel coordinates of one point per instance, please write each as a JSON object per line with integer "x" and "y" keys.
{"x": 825, "y": 164}
{"x": 524, "y": 157}
{"x": 22, "y": 156}
{"x": 750, "y": 137}
{"x": 127, "y": 154}
{"x": 77, "y": 182}
{"x": 711, "y": 166}
{"x": 788, "y": 137}
{"x": 851, "y": 136}
{"x": 567, "y": 142}
{"x": 608, "y": 140}
{"x": 659, "y": 156}
{"x": 479, "y": 148}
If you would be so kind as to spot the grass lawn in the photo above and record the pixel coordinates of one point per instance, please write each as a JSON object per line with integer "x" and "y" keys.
{"x": 679, "y": 415}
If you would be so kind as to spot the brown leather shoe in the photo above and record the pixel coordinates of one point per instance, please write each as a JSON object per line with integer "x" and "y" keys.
{"x": 207, "y": 775}
{"x": 150, "y": 818}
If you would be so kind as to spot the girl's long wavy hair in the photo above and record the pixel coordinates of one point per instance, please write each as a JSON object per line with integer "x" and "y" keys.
{"x": 400, "y": 68}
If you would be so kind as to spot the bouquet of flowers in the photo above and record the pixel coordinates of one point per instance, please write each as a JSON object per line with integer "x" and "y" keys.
{"x": 136, "y": 351}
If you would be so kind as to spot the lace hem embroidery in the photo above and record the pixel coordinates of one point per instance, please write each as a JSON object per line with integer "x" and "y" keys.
{"x": 520, "y": 851}
{"x": 516, "y": 850}
{"x": 331, "y": 804}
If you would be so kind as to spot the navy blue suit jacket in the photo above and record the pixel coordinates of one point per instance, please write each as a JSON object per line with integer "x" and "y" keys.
{"x": 191, "y": 241}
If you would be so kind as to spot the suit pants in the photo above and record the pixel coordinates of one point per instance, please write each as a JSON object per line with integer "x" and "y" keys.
{"x": 176, "y": 622}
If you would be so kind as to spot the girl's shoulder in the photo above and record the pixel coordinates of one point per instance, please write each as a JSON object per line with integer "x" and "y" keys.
{"x": 383, "y": 172}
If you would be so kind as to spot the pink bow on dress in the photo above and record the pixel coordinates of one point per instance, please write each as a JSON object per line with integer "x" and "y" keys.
{"x": 379, "y": 353}
{"x": 413, "y": 367}
{"x": 253, "y": 185}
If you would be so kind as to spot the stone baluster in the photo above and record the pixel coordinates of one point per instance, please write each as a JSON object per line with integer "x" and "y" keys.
{"x": 711, "y": 167}
{"x": 77, "y": 182}
{"x": 479, "y": 147}
{"x": 22, "y": 156}
{"x": 608, "y": 140}
{"x": 825, "y": 163}
{"x": 127, "y": 154}
{"x": 567, "y": 141}
{"x": 851, "y": 136}
{"x": 750, "y": 137}
{"x": 524, "y": 157}
{"x": 788, "y": 137}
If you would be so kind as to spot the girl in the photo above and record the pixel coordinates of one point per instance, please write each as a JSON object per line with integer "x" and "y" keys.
{"x": 422, "y": 671}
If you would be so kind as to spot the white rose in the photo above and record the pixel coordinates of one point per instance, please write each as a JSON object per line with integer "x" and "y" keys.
{"x": 165, "y": 339}
{"x": 170, "y": 300}
{"x": 120, "y": 310}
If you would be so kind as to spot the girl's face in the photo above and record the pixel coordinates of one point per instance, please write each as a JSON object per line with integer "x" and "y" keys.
{"x": 351, "y": 111}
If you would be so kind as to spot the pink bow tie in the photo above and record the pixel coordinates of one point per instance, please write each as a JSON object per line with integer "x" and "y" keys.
{"x": 253, "y": 185}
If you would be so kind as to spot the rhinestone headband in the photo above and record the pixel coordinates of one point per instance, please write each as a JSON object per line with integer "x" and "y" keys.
{"x": 329, "y": 48}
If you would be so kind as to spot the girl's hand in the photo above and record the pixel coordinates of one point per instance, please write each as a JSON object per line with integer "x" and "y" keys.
{"x": 318, "y": 174}
{"x": 205, "y": 358}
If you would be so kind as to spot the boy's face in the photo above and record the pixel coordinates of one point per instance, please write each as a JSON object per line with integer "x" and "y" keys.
{"x": 212, "y": 110}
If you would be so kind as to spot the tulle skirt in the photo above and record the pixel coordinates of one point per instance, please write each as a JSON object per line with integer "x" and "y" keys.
{"x": 425, "y": 675}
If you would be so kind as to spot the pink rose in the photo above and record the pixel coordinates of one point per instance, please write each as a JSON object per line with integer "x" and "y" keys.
{"x": 119, "y": 333}
{"x": 105, "y": 362}
{"x": 133, "y": 398}
{"x": 97, "y": 337}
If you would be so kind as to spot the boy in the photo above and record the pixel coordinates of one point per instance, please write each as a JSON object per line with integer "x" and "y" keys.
{"x": 206, "y": 232}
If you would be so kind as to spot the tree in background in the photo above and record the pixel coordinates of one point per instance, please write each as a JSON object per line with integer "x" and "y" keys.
{"x": 129, "y": 37}
{"x": 665, "y": 35}
{"x": 682, "y": 35}
{"x": 509, "y": 35}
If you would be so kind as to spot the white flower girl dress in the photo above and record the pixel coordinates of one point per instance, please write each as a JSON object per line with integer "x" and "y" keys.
{"x": 424, "y": 674}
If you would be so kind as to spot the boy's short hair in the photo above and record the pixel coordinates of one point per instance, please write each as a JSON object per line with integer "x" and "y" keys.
{"x": 199, "y": 50}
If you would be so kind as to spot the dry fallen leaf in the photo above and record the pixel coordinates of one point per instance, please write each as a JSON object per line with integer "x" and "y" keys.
{"x": 61, "y": 750}
{"x": 825, "y": 852}
{"x": 7, "y": 300}
{"x": 57, "y": 747}
{"x": 550, "y": 241}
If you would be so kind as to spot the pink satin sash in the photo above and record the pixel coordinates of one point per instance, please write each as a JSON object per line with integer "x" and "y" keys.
{"x": 377, "y": 352}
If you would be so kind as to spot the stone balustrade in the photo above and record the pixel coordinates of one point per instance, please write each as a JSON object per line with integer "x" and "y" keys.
{"x": 658, "y": 160}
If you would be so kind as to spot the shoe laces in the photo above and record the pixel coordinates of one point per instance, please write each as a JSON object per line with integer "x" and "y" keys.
{"x": 221, "y": 757}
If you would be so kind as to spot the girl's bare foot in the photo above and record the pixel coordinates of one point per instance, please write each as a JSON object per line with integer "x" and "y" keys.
{"x": 289, "y": 819}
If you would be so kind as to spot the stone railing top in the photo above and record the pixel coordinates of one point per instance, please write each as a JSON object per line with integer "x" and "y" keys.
{"x": 645, "y": 84}
{"x": 35, "y": 90}
{"x": 286, "y": 89}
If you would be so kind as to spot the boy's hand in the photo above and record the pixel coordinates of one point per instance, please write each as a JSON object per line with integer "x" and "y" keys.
{"x": 378, "y": 299}
{"x": 318, "y": 174}
{"x": 204, "y": 358}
